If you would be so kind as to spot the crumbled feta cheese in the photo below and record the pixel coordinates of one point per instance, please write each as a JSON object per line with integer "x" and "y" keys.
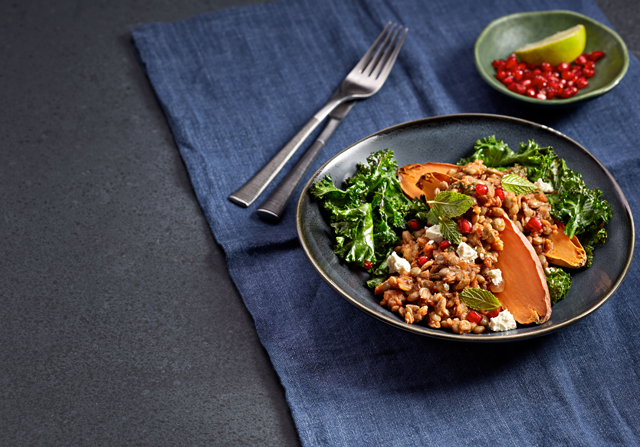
{"x": 544, "y": 186}
{"x": 495, "y": 275}
{"x": 397, "y": 264}
{"x": 549, "y": 270}
{"x": 466, "y": 252}
{"x": 503, "y": 322}
{"x": 434, "y": 234}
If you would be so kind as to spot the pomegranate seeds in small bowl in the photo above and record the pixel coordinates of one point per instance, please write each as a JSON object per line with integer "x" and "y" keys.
{"x": 545, "y": 81}
{"x": 594, "y": 71}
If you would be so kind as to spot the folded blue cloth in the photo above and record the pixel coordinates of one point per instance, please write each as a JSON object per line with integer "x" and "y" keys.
{"x": 236, "y": 85}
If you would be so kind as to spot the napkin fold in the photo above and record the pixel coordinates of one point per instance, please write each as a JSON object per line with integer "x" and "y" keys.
{"x": 237, "y": 84}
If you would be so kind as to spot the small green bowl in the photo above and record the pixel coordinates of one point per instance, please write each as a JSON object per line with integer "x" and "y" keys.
{"x": 504, "y": 35}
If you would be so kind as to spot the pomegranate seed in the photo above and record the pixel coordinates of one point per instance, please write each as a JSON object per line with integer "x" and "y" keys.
{"x": 507, "y": 81}
{"x": 494, "y": 313}
{"x": 481, "y": 189}
{"x": 422, "y": 260}
{"x": 500, "y": 75}
{"x": 464, "y": 226}
{"x": 474, "y": 317}
{"x": 588, "y": 73}
{"x": 534, "y": 225}
{"x": 551, "y": 93}
{"x": 367, "y": 265}
{"x": 595, "y": 55}
{"x": 581, "y": 60}
{"x": 582, "y": 82}
{"x": 500, "y": 193}
{"x": 541, "y": 95}
{"x": 517, "y": 88}
{"x": 546, "y": 66}
{"x": 526, "y": 82}
{"x": 520, "y": 89}
{"x": 518, "y": 75}
{"x": 513, "y": 87}
{"x": 522, "y": 66}
{"x": 498, "y": 63}
{"x": 569, "y": 91}
{"x": 444, "y": 245}
{"x": 567, "y": 75}
{"x": 563, "y": 66}
{"x": 536, "y": 71}
{"x": 511, "y": 64}
{"x": 540, "y": 82}
{"x": 531, "y": 92}
{"x": 590, "y": 65}
{"x": 413, "y": 225}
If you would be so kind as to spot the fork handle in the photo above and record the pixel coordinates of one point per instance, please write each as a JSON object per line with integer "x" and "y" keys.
{"x": 273, "y": 208}
{"x": 247, "y": 193}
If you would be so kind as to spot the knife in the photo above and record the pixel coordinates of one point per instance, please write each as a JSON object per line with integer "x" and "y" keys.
{"x": 273, "y": 208}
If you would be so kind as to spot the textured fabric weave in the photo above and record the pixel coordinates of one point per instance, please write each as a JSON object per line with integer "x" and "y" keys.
{"x": 237, "y": 84}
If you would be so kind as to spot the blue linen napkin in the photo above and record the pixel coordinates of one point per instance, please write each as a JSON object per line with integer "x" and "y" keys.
{"x": 235, "y": 85}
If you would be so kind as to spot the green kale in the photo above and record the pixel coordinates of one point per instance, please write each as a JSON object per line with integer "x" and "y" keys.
{"x": 559, "y": 282}
{"x": 369, "y": 215}
{"x": 496, "y": 154}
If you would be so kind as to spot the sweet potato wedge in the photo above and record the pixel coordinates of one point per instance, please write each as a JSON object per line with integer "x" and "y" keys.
{"x": 566, "y": 252}
{"x": 525, "y": 293}
{"x": 410, "y": 174}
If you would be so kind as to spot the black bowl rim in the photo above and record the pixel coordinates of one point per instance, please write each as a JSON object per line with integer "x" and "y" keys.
{"x": 496, "y": 338}
{"x": 552, "y": 102}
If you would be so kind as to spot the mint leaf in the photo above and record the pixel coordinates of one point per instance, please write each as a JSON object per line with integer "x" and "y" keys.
{"x": 449, "y": 230}
{"x": 450, "y": 204}
{"x": 432, "y": 217}
{"x": 479, "y": 299}
{"x": 517, "y": 185}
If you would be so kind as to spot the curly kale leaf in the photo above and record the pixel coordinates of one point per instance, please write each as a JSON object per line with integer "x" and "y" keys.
{"x": 559, "y": 282}
{"x": 368, "y": 215}
{"x": 496, "y": 154}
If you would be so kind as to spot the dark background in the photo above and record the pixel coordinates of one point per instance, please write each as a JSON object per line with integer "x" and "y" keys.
{"x": 119, "y": 324}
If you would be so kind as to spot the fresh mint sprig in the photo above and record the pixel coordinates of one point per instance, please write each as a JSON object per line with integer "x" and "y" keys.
{"x": 450, "y": 204}
{"x": 517, "y": 185}
{"x": 479, "y": 299}
{"x": 449, "y": 230}
{"x": 444, "y": 206}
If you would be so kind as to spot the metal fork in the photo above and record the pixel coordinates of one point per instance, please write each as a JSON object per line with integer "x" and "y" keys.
{"x": 364, "y": 80}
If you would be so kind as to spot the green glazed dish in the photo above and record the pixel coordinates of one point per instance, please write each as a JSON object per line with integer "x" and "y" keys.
{"x": 505, "y": 34}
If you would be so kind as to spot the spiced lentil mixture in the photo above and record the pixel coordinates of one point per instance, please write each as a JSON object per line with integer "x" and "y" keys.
{"x": 429, "y": 291}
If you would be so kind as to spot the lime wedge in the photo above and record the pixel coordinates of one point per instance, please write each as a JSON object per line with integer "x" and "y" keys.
{"x": 564, "y": 46}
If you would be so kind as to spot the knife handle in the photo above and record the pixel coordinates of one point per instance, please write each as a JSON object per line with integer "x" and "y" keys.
{"x": 247, "y": 193}
{"x": 273, "y": 208}
{"x": 250, "y": 191}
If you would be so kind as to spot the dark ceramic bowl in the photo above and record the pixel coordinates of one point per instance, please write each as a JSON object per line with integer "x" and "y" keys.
{"x": 447, "y": 139}
{"x": 504, "y": 35}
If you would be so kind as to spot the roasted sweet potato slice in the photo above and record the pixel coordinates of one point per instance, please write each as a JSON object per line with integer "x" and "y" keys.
{"x": 566, "y": 252}
{"x": 429, "y": 182}
{"x": 525, "y": 293}
{"x": 410, "y": 174}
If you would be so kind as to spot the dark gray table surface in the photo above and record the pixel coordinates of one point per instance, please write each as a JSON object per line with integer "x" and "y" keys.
{"x": 119, "y": 324}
